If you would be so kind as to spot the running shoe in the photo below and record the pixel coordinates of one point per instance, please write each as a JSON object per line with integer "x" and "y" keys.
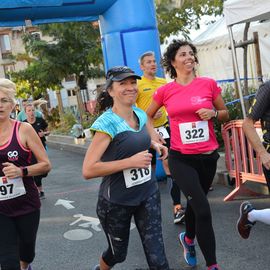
{"x": 189, "y": 250}
{"x": 29, "y": 267}
{"x": 96, "y": 267}
{"x": 213, "y": 267}
{"x": 179, "y": 216}
{"x": 243, "y": 224}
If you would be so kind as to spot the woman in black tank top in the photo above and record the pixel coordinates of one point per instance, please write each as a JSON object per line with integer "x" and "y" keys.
{"x": 19, "y": 199}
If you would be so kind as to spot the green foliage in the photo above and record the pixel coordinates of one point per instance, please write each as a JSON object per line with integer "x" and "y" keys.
{"x": 35, "y": 79}
{"x": 89, "y": 119}
{"x": 74, "y": 48}
{"x": 53, "y": 118}
{"x": 174, "y": 20}
{"x": 64, "y": 123}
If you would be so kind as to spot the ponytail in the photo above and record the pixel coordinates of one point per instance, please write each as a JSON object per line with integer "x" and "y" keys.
{"x": 104, "y": 101}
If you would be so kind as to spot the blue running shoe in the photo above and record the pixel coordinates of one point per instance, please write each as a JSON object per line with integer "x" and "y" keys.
{"x": 189, "y": 250}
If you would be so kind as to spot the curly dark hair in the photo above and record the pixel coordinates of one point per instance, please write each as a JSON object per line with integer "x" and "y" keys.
{"x": 170, "y": 53}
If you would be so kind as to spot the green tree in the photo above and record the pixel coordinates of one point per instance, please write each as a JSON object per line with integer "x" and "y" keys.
{"x": 35, "y": 80}
{"x": 73, "y": 48}
{"x": 173, "y": 19}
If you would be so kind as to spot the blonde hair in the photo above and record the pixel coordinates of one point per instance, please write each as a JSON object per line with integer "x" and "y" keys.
{"x": 9, "y": 88}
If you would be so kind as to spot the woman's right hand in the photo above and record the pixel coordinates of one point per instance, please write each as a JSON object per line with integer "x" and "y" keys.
{"x": 141, "y": 160}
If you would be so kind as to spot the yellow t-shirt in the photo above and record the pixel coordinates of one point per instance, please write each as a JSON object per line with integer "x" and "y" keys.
{"x": 147, "y": 89}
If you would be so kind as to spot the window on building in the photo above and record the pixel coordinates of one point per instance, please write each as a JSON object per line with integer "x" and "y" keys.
{"x": 36, "y": 35}
{"x": 70, "y": 78}
{"x": 5, "y": 44}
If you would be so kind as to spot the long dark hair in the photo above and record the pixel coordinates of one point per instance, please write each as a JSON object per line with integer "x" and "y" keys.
{"x": 170, "y": 53}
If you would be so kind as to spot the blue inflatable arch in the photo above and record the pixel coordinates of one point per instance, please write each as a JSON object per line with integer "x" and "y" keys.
{"x": 128, "y": 28}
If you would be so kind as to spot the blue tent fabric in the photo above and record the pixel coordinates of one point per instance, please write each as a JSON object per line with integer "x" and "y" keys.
{"x": 123, "y": 40}
{"x": 15, "y": 12}
{"x": 29, "y": 3}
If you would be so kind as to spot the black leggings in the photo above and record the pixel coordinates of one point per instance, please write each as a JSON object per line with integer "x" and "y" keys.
{"x": 194, "y": 175}
{"x": 175, "y": 193}
{"x": 18, "y": 239}
{"x": 116, "y": 219}
{"x": 267, "y": 177}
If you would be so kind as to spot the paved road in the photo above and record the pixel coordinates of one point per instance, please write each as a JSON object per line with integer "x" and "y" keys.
{"x": 62, "y": 243}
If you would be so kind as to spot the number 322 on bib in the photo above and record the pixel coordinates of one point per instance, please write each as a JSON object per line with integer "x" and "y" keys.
{"x": 194, "y": 132}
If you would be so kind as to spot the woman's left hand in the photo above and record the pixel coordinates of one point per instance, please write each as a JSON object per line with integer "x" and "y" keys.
{"x": 206, "y": 114}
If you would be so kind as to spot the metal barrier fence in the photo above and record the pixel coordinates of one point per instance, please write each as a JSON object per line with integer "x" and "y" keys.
{"x": 242, "y": 162}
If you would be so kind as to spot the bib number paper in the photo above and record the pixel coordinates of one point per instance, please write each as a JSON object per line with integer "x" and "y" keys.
{"x": 136, "y": 176}
{"x": 194, "y": 132}
{"x": 11, "y": 188}
{"x": 163, "y": 133}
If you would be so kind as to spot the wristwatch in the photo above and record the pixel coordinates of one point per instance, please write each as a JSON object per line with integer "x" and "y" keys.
{"x": 24, "y": 171}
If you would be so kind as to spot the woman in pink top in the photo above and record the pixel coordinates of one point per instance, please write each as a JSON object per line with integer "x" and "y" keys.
{"x": 192, "y": 103}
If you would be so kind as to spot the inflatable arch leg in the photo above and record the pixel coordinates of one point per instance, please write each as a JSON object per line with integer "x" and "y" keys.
{"x": 128, "y": 29}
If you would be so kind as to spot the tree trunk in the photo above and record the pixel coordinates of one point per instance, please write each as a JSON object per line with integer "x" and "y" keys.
{"x": 60, "y": 102}
{"x": 79, "y": 102}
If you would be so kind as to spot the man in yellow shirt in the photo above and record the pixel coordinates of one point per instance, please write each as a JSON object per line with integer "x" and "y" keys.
{"x": 147, "y": 87}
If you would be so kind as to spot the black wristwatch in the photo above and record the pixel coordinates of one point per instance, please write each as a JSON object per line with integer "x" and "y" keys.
{"x": 24, "y": 171}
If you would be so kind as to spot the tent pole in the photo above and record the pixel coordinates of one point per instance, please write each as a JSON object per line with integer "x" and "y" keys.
{"x": 236, "y": 71}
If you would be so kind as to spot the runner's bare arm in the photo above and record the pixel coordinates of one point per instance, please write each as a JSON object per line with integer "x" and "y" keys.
{"x": 94, "y": 167}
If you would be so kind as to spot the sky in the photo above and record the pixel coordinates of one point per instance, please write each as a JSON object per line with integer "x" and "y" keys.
{"x": 193, "y": 33}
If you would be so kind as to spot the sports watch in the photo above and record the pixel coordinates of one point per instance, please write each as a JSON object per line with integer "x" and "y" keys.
{"x": 24, "y": 171}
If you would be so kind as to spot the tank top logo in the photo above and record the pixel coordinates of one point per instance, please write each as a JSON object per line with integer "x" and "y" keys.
{"x": 13, "y": 155}
{"x": 197, "y": 100}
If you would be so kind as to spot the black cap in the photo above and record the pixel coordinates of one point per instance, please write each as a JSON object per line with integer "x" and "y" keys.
{"x": 119, "y": 73}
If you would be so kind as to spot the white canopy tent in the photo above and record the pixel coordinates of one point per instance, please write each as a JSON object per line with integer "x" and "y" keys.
{"x": 215, "y": 59}
{"x": 241, "y": 11}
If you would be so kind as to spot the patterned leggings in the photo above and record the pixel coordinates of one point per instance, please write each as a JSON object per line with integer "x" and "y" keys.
{"x": 116, "y": 219}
